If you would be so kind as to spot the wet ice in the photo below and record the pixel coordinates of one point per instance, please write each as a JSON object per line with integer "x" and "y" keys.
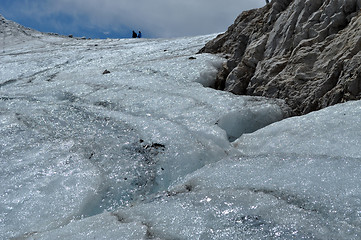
{"x": 147, "y": 148}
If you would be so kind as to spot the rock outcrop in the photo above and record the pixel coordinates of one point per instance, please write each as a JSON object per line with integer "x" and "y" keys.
{"x": 306, "y": 52}
{"x": 14, "y": 33}
{"x": 10, "y": 28}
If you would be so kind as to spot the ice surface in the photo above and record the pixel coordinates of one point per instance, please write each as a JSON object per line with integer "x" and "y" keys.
{"x": 249, "y": 120}
{"x": 299, "y": 193}
{"x": 334, "y": 132}
{"x": 145, "y": 151}
{"x": 280, "y": 202}
{"x": 101, "y": 226}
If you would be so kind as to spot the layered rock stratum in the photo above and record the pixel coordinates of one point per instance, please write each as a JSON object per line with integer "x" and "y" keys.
{"x": 306, "y": 52}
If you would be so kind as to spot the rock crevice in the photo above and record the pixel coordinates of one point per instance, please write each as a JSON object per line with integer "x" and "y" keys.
{"x": 305, "y": 52}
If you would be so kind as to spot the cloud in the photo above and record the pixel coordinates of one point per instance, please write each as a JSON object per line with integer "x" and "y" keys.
{"x": 156, "y": 18}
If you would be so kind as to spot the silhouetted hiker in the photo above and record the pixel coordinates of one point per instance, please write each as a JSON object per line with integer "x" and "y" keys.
{"x": 267, "y": 1}
{"x": 139, "y": 34}
{"x": 134, "y": 34}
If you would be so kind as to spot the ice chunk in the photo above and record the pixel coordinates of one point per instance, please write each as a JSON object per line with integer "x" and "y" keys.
{"x": 334, "y": 131}
{"x": 207, "y": 76}
{"x": 248, "y": 120}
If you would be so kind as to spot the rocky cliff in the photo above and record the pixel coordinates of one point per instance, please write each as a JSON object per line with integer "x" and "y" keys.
{"x": 304, "y": 51}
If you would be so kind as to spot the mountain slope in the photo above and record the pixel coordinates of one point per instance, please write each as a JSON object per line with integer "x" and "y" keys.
{"x": 142, "y": 150}
{"x": 306, "y": 52}
{"x": 16, "y": 31}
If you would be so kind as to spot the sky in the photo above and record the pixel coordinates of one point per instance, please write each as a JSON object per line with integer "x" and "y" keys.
{"x": 117, "y": 18}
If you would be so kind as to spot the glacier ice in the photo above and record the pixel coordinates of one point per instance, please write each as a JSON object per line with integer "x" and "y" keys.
{"x": 149, "y": 151}
{"x": 270, "y": 191}
{"x": 334, "y": 132}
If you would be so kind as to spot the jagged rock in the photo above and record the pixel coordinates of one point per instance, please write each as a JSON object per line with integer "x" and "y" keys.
{"x": 304, "y": 51}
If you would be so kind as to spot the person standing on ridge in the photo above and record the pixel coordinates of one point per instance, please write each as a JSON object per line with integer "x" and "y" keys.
{"x": 139, "y": 34}
{"x": 134, "y": 34}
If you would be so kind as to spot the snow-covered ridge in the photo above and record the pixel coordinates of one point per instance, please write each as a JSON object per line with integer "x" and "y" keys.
{"x": 144, "y": 150}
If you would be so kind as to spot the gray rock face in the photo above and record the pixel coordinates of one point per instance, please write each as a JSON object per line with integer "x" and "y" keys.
{"x": 304, "y": 51}
{"x": 10, "y": 28}
{"x": 14, "y": 33}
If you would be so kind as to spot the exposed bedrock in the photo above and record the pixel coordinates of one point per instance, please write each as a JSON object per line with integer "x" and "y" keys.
{"x": 306, "y": 52}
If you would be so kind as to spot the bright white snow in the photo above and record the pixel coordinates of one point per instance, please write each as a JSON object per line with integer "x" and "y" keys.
{"x": 148, "y": 151}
